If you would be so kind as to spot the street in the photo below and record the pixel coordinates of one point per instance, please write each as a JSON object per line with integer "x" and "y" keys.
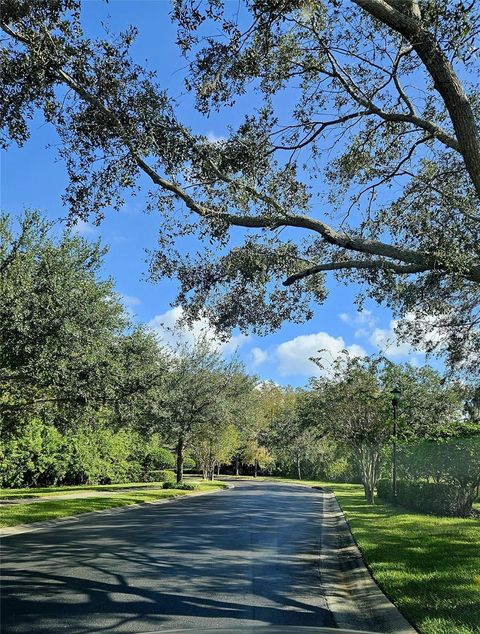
{"x": 247, "y": 556}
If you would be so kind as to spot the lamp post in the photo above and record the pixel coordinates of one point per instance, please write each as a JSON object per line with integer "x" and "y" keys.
{"x": 395, "y": 400}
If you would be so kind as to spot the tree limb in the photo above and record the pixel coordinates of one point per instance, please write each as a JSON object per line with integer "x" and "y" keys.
{"x": 379, "y": 265}
{"x": 445, "y": 79}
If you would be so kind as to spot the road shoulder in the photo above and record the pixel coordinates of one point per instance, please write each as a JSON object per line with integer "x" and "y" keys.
{"x": 352, "y": 594}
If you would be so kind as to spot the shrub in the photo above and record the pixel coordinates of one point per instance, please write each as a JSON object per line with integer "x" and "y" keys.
{"x": 37, "y": 457}
{"x": 189, "y": 463}
{"x": 162, "y": 475}
{"x": 183, "y": 486}
{"x": 428, "y": 497}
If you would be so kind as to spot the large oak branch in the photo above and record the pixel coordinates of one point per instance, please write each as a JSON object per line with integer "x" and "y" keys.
{"x": 445, "y": 79}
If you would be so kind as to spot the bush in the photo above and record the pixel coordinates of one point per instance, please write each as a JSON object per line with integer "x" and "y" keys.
{"x": 183, "y": 486}
{"x": 162, "y": 475}
{"x": 189, "y": 463}
{"x": 428, "y": 497}
{"x": 40, "y": 455}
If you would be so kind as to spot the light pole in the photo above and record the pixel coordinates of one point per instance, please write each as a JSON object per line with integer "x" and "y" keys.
{"x": 396, "y": 397}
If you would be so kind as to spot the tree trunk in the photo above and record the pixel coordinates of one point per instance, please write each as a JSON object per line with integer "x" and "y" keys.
{"x": 218, "y": 469}
{"x": 256, "y": 468}
{"x": 369, "y": 460}
{"x": 298, "y": 468}
{"x": 180, "y": 448}
{"x": 369, "y": 493}
{"x": 237, "y": 465}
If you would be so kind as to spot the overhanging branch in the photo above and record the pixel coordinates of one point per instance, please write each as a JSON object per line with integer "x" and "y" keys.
{"x": 380, "y": 265}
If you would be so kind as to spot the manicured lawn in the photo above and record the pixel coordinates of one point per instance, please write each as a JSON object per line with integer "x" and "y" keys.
{"x": 12, "y": 515}
{"x": 61, "y": 490}
{"x": 429, "y": 566}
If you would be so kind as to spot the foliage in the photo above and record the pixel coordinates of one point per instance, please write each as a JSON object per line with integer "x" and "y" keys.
{"x": 440, "y": 476}
{"x": 65, "y": 353}
{"x": 355, "y": 407}
{"x": 361, "y": 143}
{"x": 161, "y": 475}
{"x": 428, "y": 497}
{"x": 202, "y": 390}
{"x": 214, "y": 446}
{"x": 96, "y": 454}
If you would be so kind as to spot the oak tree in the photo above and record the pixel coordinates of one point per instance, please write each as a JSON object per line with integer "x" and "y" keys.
{"x": 372, "y": 172}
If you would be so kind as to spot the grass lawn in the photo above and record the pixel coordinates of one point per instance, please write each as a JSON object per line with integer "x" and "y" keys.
{"x": 429, "y": 566}
{"x": 12, "y": 515}
{"x": 36, "y": 492}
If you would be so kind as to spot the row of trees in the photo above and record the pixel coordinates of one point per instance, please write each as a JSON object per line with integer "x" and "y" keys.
{"x": 74, "y": 371}
{"x": 88, "y": 397}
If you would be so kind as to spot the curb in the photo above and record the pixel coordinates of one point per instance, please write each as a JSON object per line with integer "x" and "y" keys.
{"x": 114, "y": 510}
{"x": 352, "y": 595}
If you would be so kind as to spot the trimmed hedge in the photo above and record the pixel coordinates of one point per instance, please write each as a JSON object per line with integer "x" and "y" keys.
{"x": 184, "y": 486}
{"x": 428, "y": 497}
{"x": 162, "y": 475}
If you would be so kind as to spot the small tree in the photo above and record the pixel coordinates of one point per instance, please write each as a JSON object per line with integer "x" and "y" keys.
{"x": 214, "y": 446}
{"x": 353, "y": 407}
{"x": 201, "y": 390}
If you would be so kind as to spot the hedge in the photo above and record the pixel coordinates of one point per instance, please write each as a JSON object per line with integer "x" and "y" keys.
{"x": 429, "y": 497}
{"x": 162, "y": 475}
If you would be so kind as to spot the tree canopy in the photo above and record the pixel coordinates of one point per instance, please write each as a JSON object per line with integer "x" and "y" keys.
{"x": 374, "y": 173}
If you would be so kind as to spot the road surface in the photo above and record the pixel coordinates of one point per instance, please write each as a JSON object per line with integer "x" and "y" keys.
{"x": 246, "y": 556}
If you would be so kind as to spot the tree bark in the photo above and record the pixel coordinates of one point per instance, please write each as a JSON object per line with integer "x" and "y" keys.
{"x": 299, "y": 468}
{"x": 255, "y": 473}
{"x": 237, "y": 465}
{"x": 369, "y": 460}
{"x": 180, "y": 459}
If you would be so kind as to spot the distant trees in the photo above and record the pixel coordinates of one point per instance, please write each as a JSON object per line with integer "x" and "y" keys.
{"x": 88, "y": 398}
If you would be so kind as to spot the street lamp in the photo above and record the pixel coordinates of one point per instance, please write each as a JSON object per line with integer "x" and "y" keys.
{"x": 395, "y": 400}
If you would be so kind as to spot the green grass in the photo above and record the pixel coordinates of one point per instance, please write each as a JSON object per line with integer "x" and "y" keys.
{"x": 429, "y": 566}
{"x": 12, "y": 515}
{"x": 60, "y": 490}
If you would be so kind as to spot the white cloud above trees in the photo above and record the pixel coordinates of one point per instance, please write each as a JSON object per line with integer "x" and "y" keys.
{"x": 169, "y": 329}
{"x": 293, "y": 357}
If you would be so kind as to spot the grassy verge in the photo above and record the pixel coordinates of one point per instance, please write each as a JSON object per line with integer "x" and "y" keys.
{"x": 6, "y": 494}
{"x": 429, "y": 566}
{"x": 15, "y": 514}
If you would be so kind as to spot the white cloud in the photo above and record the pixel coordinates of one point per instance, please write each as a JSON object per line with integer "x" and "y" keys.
{"x": 129, "y": 301}
{"x": 293, "y": 356}
{"x": 215, "y": 138}
{"x": 172, "y": 333}
{"x": 363, "y": 320}
{"x": 83, "y": 228}
{"x": 259, "y": 356}
{"x": 386, "y": 340}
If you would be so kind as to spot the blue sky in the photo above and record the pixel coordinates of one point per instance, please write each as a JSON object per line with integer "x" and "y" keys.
{"x": 32, "y": 177}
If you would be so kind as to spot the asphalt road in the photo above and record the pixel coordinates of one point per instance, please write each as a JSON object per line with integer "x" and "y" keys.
{"x": 246, "y": 556}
